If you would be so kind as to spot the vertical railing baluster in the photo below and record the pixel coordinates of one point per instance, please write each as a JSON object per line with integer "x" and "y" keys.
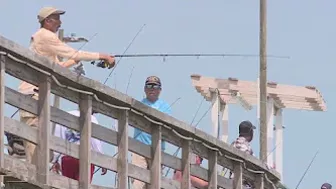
{"x": 2, "y": 118}
{"x": 213, "y": 169}
{"x": 122, "y": 166}
{"x": 41, "y": 156}
{"x": 155, "y": 166}
{"x": 238, "y": 175}
{"x": 85, "y": 107}
{"x": 260, "y": 181}
{"x": 186, "y": 156}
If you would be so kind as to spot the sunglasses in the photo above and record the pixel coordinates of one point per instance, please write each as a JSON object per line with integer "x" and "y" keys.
{"x": 151, "y": 86}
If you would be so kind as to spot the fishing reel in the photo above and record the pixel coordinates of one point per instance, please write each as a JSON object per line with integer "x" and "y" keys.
{"x": 102, "y": 64}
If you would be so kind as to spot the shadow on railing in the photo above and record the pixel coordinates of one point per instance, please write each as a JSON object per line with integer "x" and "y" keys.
{"x": 91, "y": 96}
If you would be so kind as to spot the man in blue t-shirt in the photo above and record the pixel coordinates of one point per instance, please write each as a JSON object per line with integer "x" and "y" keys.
{"x": 152, "y": 89}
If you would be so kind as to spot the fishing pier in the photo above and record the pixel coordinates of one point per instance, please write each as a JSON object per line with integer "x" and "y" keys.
{"x": 91, "y": 95}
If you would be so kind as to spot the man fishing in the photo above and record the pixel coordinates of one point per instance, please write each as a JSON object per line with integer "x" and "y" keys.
{"x": 46, "y": 43}
{"x": 152, "y": 89}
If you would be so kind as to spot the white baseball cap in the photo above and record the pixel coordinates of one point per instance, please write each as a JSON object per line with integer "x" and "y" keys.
{"x": 47, "y": 11}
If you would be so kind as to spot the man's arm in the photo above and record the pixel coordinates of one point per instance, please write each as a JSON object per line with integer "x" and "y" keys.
{"x": 55, "y": 45}
{"x": 68, "y": 63}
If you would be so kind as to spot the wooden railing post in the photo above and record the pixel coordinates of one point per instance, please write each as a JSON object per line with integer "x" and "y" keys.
{"x": 238, "y": 175}
{"x": 85, "y": 107}
{"x": 2, "y": 116}
{"x": 260, "y": 181}
{"x": 43, "y": 153}
{"x": 155, "y": 167}
{"x": 186, "y": 156}
{"x": 213, "y": 169}
{"x": 2, "y": 106}
{"x": 123, "y": 150}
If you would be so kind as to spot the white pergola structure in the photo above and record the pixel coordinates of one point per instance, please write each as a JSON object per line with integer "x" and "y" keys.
{"x": 222, "y": 92}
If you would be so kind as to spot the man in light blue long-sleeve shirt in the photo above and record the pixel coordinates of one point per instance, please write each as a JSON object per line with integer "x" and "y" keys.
{"x": 152, "y": 89}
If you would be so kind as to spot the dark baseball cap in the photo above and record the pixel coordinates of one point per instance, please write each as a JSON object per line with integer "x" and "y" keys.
{"x": 326, "y": 186}
{"x": 153, "y": 80}
{"x": 246, "y": 127}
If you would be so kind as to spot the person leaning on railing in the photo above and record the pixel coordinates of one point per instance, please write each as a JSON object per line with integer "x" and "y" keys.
{"x": 46, "y": 43}
{"x": 152, "y": 89}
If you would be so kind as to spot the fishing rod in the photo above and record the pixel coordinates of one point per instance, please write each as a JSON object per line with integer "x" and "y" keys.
{"x": 103, "y": 64}
{"x": 304, "y": 174}
{"x": 195, "y": 55}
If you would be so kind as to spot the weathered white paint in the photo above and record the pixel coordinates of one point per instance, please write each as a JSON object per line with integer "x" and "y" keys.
{"x": 279, "y": 142}
{"x": 224, "y": 128}
{"x": 215, "y": 112}
{"x": 270, "y": 132}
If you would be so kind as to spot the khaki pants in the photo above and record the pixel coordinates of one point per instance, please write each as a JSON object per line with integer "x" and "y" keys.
{"x": 31, "y": 120}
{"x": 143, "y": 163}
{"x": 30, "y": 148}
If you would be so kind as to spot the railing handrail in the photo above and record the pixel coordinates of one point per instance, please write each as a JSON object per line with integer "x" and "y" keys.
{"x": 119, "y": 99}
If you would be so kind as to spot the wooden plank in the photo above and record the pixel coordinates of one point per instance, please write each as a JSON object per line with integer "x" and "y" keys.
{"x": 60, "y": 182}
{"x": 2, "y": 109}
{"x": 42, "y": 151}
{"x": 213, "y": 182}
{"x": 123, "y": 150}
{"x": 155, "y": 165}
{"x": 107, "y": 94}
{"x": 85, "y": 107}
{"x": 21, "y": 129}
{"x": 186, "y": 155}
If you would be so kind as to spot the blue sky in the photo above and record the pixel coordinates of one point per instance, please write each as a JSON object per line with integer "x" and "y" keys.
{"x": 303, "y": 30}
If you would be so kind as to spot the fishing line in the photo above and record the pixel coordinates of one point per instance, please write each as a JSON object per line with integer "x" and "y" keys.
{"x": 304, "y": 174}
{"x": 199, "y": 107}
{"x": 179, "y": 148}
{"x": 129, "y": 79}
{"x": 124, "y": 52}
